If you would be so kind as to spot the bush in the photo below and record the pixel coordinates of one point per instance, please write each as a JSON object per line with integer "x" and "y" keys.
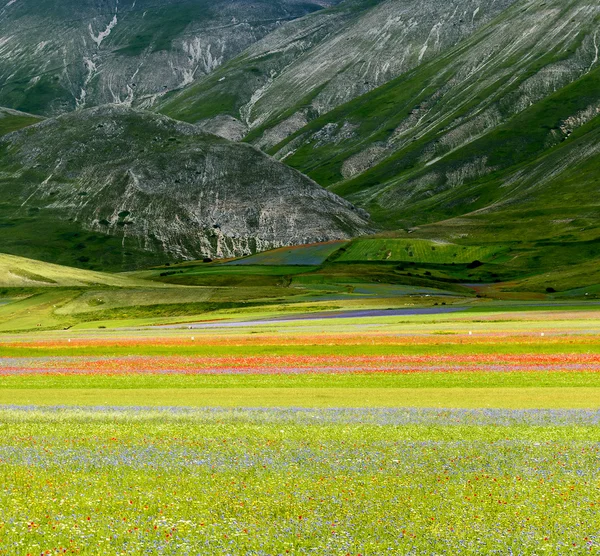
{"x": 475, "y": 264}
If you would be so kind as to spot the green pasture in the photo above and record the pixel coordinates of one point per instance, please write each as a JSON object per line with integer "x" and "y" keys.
{"x": 38, "y": 296}
{"x": 474, "y": 398}
{"x": 415, "y": 250}
{"x": 13, "y": 121}
{"x": 302, "y": 383}
{"x": 573, "y": 322}
{"x": 18, "y": 272}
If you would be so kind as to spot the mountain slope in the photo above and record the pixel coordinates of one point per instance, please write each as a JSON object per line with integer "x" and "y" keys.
{"x": 410, "y": 150}
{"x": 58, "y": 55}
{"x": 22, "y": 272}
{"x": 108, "y": 184}
{"x": 309, "y": 66}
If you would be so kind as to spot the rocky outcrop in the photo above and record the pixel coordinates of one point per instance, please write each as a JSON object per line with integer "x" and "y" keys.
{"x": 165, "y": 186}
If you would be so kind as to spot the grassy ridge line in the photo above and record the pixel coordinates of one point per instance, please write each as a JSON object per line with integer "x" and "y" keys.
{"x": 508, "y": 398}
{"x": 22, "y": 272}
{"x": 13, "y": 120}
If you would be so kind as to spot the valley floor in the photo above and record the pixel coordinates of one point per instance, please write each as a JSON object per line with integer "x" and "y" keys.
{"x": 470, "y": 432}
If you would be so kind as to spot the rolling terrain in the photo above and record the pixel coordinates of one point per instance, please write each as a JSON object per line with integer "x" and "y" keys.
{"x": 19, "y": 272}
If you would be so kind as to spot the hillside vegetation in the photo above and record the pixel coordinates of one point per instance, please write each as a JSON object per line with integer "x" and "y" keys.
{"x": 22, "y": 272}
{"x": 13, "y": 120}
{"x": 308, "y": 67}
{"x": 485, "y": 126}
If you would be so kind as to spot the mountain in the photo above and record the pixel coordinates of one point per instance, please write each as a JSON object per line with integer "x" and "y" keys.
{"x": 115, "y": 187}
{"x": 470, "y": 95}
{"x": 308, "y": 67}
{"x": 444, "y": 139}
{"x": 59, "y": 55}
{"x": 466, "y": 121}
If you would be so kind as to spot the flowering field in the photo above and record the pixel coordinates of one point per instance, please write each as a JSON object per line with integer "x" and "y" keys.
{"x": 393, "y": 481}
{"x": 280, "y": 440}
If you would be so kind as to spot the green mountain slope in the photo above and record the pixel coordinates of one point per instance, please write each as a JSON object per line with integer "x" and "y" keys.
{"x": 311, "y": 65}
{"x": 22, "y": 272}
{"x": 12, "y": 120}
{"x": 117, "y": 188}
{"x": 410, "y": 150}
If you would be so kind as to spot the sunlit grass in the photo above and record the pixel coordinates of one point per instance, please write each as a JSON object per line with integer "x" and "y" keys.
{"x": 292, "y": 481}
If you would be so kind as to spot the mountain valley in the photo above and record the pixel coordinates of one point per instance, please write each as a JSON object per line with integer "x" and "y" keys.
{"x": 471, "y": 122}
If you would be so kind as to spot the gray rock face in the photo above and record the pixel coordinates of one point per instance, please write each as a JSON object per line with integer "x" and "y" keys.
{"x": 166, "y": 185}
{"x": 224, "y": 126}
{"x": 59, "y": 55}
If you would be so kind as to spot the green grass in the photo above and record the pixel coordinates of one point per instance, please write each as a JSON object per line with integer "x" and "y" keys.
{"x": 471, "y": 461}
{"x": 417, "y": 251}
{"x": 24, "y": 96}
{"x": 505, "y": 398}
{"x": 311, "y": 382}
{"x": 38, "y": 308}
{"x": 13, "y": 121}
{"x": 166, "y": 25}
{"x": 42, "y": 235}
{"x": 314, "y": 482}
{"x": 22, "y": 272}
{"x": 225, "y": 275}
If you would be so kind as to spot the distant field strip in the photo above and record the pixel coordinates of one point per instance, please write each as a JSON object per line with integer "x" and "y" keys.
{"x": 417, "y": 251}
{"x": 409, "y": 365}
{"x": 301, "y": 255}
{"x": 502, "y": 398}
{"x": 300, "y": 364}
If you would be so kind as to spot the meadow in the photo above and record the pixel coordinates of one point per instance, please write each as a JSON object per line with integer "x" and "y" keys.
{"x": 298, "y": 481}
{"x": 262, "y": 424}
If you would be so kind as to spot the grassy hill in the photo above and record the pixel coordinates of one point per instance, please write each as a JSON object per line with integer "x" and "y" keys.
{"x": 13, "y": 120}
{"x": 22, "y": 272}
